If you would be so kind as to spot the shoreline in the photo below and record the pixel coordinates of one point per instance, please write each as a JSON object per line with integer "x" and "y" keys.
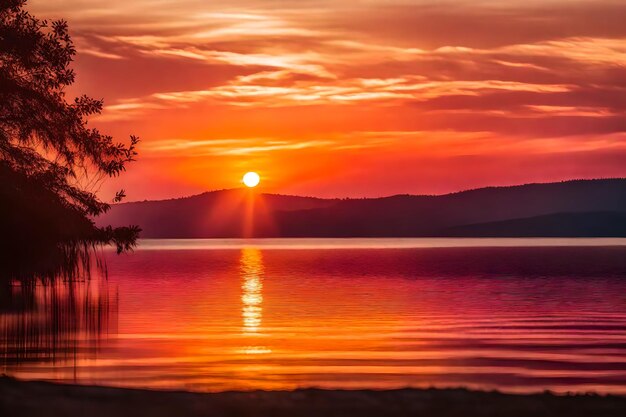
{"x": 29, "y": 398}
{"x": 327, "y": 243}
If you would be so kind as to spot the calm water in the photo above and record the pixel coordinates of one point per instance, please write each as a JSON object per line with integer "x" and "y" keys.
{"x": 512, "y": 314}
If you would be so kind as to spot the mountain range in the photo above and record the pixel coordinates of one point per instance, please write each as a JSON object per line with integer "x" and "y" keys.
{"x": 579, "y": 208}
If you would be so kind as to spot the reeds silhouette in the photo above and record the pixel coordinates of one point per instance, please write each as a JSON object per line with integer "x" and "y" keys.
{"x": 62, "y": 313}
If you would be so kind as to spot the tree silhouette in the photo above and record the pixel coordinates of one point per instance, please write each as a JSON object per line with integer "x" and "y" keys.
{"x": 51, "y": 162}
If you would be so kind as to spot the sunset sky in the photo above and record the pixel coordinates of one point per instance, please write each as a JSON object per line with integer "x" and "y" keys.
{"x": 354, "y": 98}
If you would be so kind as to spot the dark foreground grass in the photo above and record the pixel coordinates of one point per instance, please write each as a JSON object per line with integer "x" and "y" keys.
{"x": 41, "y": 399}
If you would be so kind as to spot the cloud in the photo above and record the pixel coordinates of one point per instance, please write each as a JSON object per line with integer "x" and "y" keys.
{"x": 397, "y": 80}
{"x": 254, "y": 90}
{"x": 229, "y": 147}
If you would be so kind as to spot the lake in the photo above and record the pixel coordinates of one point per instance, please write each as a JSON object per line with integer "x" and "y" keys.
{"x": 518, "y": 315}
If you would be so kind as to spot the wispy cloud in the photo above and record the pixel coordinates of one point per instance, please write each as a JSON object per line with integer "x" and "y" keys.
{"x": 230, "y": 147}
{"x": 388, "y": 81}
{"x": 252, "y": 91}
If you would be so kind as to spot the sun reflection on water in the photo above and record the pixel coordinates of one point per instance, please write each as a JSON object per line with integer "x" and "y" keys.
{"x": 251, "y": 267}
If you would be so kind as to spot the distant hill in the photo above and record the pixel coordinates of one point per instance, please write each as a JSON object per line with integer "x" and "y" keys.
{"x": 571, "y": 208}
{"x": 592, "y": 224}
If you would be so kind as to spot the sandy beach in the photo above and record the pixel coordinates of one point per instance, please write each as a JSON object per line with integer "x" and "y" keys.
{"x": 22, "y": 398}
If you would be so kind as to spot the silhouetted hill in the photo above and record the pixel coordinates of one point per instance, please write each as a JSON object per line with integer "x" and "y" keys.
{"x": 213, "y": 214}
{"x": 572, "y": 208}
{"x": 593, "y": 224}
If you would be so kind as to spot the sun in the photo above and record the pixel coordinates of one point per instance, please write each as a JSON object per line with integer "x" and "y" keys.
{"x": 251, "y": 179}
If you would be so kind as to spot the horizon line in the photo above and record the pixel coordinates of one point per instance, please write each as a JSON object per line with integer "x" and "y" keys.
{"x": 244, "y": 189}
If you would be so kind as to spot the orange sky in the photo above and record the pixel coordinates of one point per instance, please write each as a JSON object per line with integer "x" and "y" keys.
{"x": 354, "y": 98}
